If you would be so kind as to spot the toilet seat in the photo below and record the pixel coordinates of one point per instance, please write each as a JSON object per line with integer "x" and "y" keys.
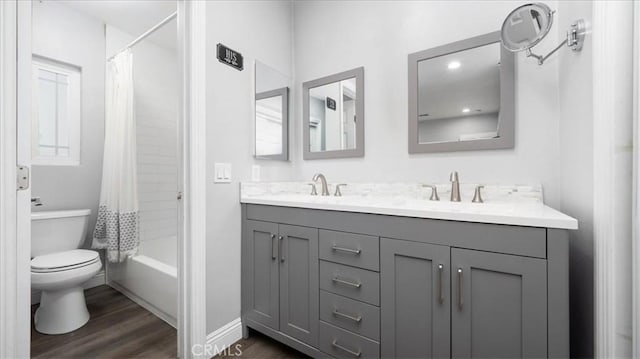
{"x": 64, "y": 261}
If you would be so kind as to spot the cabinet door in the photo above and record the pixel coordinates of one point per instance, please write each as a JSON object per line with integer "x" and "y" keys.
{"x": 499, "y": 305}
{"x": 261, "y": 266}
{"x": 415, "y": 304}
{"x": 299, "y": 288}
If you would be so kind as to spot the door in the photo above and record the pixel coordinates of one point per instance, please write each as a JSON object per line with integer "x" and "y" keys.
{"x": 299, "y": 293}
{"x": 499, "y": 305}
{"x": 415, "y": 299}
{"x": 262, "y": 278}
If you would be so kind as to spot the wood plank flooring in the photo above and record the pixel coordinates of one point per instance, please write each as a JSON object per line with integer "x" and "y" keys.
{"x": 259, "y": 346}
{"x": 118, "y": 328}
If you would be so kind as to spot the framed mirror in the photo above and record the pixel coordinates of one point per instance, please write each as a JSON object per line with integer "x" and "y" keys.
{"x": 333, "y": 116}
{"x": 271, "y": 114}
{"x": 461, "y": 96}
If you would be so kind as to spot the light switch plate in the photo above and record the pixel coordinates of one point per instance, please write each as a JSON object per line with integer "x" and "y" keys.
{"x": 222, "y": 173}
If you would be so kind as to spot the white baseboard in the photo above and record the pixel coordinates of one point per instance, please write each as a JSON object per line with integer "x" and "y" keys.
{"x": 143, "y": 303}
{"x": 223, "y": 337}
{"x": 98, "y": 280}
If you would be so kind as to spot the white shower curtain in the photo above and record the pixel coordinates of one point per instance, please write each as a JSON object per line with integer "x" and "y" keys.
{"x": 117, "y": 229}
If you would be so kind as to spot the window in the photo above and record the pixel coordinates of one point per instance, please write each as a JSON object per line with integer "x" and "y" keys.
{"x": 55, "y": 113}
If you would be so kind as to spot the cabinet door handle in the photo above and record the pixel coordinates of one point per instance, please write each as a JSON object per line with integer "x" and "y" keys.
{"x": 441, "y": 282}
{"x": 357, "y": 319}
{"x": 346, "y": 350}
{"x": 346, "y": 250}
{"x": 281, "y": 238}
{"x": 274, "y": 249}
{"x": 460, "y": 302}
{"x": 346, "y": 282}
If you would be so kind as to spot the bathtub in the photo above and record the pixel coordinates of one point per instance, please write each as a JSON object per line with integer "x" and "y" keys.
{"x": 150, "y": 278}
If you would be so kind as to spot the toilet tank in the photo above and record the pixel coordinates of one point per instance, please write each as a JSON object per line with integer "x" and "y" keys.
{"x": 58, "y": 231}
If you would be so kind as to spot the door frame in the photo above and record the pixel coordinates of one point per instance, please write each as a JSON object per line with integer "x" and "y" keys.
{"x": 15, "y": 206}
{"x": 15, "y": 244}
{"x": 635, "y": 261}
{"x": 192, "y": 333}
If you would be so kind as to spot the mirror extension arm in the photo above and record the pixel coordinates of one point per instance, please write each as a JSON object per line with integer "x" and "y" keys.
{"x": 575, "y": 39}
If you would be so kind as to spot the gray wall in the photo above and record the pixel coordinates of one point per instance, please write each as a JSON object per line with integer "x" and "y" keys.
{"x": 576, "y": 159}
{"x": 260, "y": 30}
{"x": 63, "y": 34}
{"x": 361, "y": 38}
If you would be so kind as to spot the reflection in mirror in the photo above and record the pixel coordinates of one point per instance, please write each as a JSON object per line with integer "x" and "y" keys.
{"x": 271, "y": 113}
{"x": 332, "y": 116}
{"x": 459, "y": 95}
{"x": 526, "y": 26}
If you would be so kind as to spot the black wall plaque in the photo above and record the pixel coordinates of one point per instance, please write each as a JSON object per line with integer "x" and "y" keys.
{"x": 230, "y": 57}
{"x": 331, "y": 103}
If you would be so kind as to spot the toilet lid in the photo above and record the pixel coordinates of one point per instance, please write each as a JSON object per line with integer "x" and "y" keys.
{"x": 62, "y": 260}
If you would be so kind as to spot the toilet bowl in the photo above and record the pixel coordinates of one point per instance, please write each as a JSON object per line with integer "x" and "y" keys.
{"x": 60, "y": 276}
{"x": 60, "y": 270}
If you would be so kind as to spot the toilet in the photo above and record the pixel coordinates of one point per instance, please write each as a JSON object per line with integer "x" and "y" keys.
{"x": 60, "y": 269}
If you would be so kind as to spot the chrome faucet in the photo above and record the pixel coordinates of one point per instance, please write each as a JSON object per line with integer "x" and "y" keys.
{"x": 323, "y": 180}
{"x": 455, "y": 187}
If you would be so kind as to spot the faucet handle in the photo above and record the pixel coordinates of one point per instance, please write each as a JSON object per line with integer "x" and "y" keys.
{"x": 477, "y": 196}
{"x": 338, "y": 193}
{"x": 453, "y": 177}
{"x": 434, "y": 192}
{"x": 314, "y": 192}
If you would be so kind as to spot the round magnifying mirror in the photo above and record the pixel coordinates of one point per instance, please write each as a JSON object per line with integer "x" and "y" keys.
{"x": 526, "y": 26}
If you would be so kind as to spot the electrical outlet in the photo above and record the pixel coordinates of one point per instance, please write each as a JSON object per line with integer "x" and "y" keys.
{"x": 255, "y": 173}
{"x": 222, "y": 173}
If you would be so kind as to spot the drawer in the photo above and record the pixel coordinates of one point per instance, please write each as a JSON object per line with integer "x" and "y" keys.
{"x": 358, "y": 317}
{"x": 356, "y": 283}
{"x": 356, "y": 250}
{"x": 342, "y": 344}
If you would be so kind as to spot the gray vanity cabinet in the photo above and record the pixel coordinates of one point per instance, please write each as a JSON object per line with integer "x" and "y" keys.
{"x": 339, "y": 284}
{"x": 498, "y": 305}
{"x": 299, "y": 301}
{"x": 414, "y": 303}
{"x": 262, "y": 282}
{"x": 281, "y": 278}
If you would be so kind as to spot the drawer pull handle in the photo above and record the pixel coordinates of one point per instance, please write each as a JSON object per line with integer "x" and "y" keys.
{"x": 441, "y": 282}
{"x": 346, "y": 282}
{"x": 460, "y": 301}
{"x": 357, "y": 319}
{"x": 346, "y": 250}
{"x": 274, "y": 248}
{"x": 347, "y": 350}
{"x": 281, "y": 238}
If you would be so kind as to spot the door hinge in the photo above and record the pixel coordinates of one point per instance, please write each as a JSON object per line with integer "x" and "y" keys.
{"x": 22, "y": 178}
{"x": 180, "y": 196}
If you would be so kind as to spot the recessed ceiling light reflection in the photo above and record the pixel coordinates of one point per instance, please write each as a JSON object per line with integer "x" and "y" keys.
{"x": 465, "y": 110}
{"x": 453, "y": 65}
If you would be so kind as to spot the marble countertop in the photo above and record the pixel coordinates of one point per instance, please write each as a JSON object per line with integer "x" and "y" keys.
{"x": 509, "y": 205}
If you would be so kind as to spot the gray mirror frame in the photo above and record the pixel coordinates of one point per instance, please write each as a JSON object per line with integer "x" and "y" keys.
{"x": 284, "y": 155}
{"x": 358, "y": 73}
{"x": 506, "y": 122}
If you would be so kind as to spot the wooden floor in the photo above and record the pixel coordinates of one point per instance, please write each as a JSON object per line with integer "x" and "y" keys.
{"x": 259, "y": 346}
{"x": 118, "y": 328}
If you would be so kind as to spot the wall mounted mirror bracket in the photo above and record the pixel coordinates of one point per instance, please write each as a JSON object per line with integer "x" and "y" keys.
{"x": 528, "y": 24}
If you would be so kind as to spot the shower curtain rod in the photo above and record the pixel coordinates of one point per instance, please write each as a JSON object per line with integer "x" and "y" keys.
{"x": 147, "y": 33}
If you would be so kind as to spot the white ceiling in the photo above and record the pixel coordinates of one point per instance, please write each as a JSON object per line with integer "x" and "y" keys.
{"x": 444, "y": 92}
{"x": 132, "y": 16}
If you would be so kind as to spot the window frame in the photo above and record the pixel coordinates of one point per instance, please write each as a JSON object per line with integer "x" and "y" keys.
{"x": 74, "y": 112}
